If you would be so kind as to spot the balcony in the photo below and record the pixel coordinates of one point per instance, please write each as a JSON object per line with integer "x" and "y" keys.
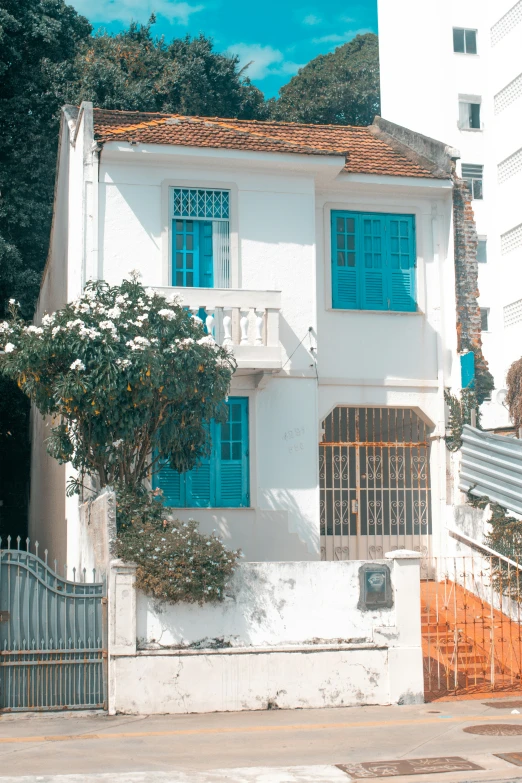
{"x": 245, "y": 321}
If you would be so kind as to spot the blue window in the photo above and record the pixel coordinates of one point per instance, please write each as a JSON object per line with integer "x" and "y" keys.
{"x": 221, "y": 480}
{"x": 373, "y": 261}
{"x": 200, "y": 238}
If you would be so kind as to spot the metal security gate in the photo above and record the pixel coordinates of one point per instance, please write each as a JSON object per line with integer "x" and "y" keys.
{"x": 471, "y": 625}
{"x": 374, "y": 483}
{"x": 52, "y": 635}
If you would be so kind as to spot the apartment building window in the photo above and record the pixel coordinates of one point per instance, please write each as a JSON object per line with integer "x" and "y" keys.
{"x": 482, "y": 250}
{"x": 220, "y": 480}
{"x": 469, "y": 113}
{"x": 464, "y": 40}
{"x": 373, "y": 261}
{"x": 200, "y": 237}
{"x": 484, "y": 319}
{"x": 473, "y": 174}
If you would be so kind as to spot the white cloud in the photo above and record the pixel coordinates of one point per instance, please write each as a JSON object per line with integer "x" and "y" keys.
{"x": 262, "y": 60}
{"x": 340, "y": 38}
{"x": 312, "y": 19}
{"x": 137, "y": 10}
{"x": 333, "y": 38}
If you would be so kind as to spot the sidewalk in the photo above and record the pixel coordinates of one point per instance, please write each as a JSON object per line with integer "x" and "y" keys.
{"x": 256, "y": 747}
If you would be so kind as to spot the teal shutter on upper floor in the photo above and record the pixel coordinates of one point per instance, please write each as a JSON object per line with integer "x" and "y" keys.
{"x": 373, "y": 261}
{"x": 345, "y": 275}
{"x": 401, "y": 253}
{"x": 221, "y": 480}
{"x": 206, "y": 258}
{"x": 192, "y": 254}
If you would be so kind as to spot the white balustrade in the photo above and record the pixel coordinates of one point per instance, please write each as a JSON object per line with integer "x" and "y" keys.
{"x": 240, "y": 319}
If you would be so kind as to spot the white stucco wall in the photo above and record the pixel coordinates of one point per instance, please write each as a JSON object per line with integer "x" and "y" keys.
{"x": 437, "y": 81}
{"x": 288, "y": 634}
{"x": 118, "y": 222}
{"x": 269, "y": 604}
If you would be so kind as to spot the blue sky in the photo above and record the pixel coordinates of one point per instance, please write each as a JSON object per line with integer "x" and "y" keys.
{"x": 277, "y": 35}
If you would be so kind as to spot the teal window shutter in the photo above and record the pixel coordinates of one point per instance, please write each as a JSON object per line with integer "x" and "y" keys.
{"x": 232, "y": 467}
{"x": 467, "y": 370}
{"x": 373, "y": 261}
{"x": 221, "y": 480}
{"x": 192, "y": 254}
{"x": 205, "y": 260}
{"x": 199, "y": 485}
{"x": 185, "y": 253}
{"x": 171, "y": 484}
{"x": 344, "y": 260}
{"x": 401, "y": 262}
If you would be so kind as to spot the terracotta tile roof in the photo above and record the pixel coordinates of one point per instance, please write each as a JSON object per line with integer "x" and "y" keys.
{"x": 367, "y": 150}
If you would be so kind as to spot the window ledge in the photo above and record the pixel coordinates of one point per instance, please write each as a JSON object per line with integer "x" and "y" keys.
{"x": 472, "y": 130}
{"x": 375, "y": 312}
{"x": 211, "y": 508}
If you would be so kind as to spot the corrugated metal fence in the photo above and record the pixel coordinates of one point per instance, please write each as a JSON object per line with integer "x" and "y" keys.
{"x": 492, "y": 466}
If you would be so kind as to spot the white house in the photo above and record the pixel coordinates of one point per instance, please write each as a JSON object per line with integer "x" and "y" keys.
{"x": 325, "y": 254}
{"x": 459, "y": 78}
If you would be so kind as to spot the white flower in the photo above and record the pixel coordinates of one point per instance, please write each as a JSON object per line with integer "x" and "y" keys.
{"x": 33, "y": 329}
{"x": 77, "y": 365}
{"x": 123, "y": 363}
{"x": 12, "y": 301}
{"x": 56, "y": 330}
{"x": 108, "y": 326}
{"x": 168, "y": 314}
{"x": 5, "y": 326}
{"x": 138, "y": 343}
{"x": 142, "y": 317}
{"x": 114, "y": 312}
{"x": 207, "y": 340}
{"x": 117, "y": 443}
{"x": 184, "y": 342}
{"x": 47, "y": 320}
{"x": 9, "y": 348}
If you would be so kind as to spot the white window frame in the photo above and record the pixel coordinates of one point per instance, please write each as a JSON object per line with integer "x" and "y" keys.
{"x": 470, "y": 30}
{"x": 385, "y": 208}
{"x": 466, "y": 100}
{"x": 166, "y": 223}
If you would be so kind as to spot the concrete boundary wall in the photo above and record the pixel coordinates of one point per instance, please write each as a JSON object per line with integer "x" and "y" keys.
{"x": 97, "y": 532}
{"x": 288, "y": 635}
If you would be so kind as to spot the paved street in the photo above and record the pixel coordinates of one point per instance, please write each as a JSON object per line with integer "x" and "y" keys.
{"x": 266, "y": 747}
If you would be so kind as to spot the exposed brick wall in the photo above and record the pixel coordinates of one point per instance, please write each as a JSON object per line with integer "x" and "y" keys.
{"x": 469, "y": 337}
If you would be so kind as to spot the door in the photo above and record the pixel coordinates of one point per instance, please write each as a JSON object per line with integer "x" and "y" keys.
{"x": 192, "y": 254}
{"x": 374, "y": 483}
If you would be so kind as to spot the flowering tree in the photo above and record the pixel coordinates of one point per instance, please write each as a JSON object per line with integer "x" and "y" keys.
{"x": 129, "y": 378}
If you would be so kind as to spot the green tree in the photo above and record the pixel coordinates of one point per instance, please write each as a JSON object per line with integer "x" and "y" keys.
{"x": 47, "y": 58}
{"x": 38, "y": 43}
{"x": 128, "y": 377}
{"x": 133, "y": 70}
{"x": 340, "y": 88}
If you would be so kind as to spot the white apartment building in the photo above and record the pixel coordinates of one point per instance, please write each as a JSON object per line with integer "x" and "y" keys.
{"x": 325, "y": 257}
{"x": 453, "y": 71}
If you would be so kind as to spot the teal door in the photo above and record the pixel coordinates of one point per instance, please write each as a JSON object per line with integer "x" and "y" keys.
{"x": 192, "y": 256}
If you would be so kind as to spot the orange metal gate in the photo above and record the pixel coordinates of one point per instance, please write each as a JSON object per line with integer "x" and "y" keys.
{"x": 472, "y": 641}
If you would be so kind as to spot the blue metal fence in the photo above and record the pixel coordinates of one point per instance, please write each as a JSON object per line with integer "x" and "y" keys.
{"x": 52, "y": 634}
